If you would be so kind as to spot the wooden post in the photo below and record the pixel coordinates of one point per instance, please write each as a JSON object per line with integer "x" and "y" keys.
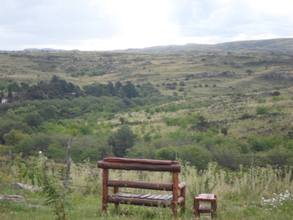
{"x": 175, "y": 193}
{"x": 196, "y": 208}
{"x": 214, "y": 208}
{"x": 183, "y": 194}
{"x": 116, "y": 190}
{"x": 105, "y": 189}
{"x": 68, "y": 163}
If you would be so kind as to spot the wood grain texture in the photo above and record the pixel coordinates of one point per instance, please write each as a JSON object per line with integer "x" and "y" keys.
{"x": 141, "y": 185}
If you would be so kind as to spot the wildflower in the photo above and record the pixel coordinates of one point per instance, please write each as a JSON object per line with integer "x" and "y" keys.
{"x": 277, "y": 199}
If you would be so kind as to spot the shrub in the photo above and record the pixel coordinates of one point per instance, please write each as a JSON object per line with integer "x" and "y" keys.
{"x": 14, "y": 137}
{"x": 262, "y": 110}
{"x": 201, "y": 124}
{"x": 224, "y": 131}
{"x": 227, "y": 156}
{"x": 196, "y": 156}
{"x": 34, "y": 119}
{"x": 263, "y": 143}
{"x": 182, "y": 83}
{"x": 7, "y": 125}
{"x": 245, "y": 116}
{"x": 121, "y": 140}
{"x": 167, "y": 153}
{"x": 276, "y": 93}
{"x": 37, "y": 142}
{"x": 280, "y": 156}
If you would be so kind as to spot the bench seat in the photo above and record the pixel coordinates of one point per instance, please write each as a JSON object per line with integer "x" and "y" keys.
{"x": 205, "y": 203}
{"x": 143, "y": 199}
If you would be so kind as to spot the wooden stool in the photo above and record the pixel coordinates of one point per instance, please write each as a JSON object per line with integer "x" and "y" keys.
{"x": 199, "y": 208}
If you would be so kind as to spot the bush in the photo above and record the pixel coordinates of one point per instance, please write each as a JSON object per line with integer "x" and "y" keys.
{"x": 14, "y": 137}
{"x": 227, "y": 156}
{"x": 276, "y": 93}
{"x": 224, "y": 131}
{"x": 167, "y": 153}
{"x": 38, "y": 142}
{"x": 7, "y": 125}
{"x": 196, "y": 156}
{"x": 33, "y": 119}
{"x": 121, "y": 140}
{"x": 262, "y": 110}
{"x": 263, "y": 143}
{"x": 245, "y": 116}
{"x": 201, "y": 124}
{"x": 280, "y": 156}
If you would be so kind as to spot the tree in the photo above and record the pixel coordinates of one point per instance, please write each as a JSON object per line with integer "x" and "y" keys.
{"x": 111, "y": 89}
{"x": 1, "y": 96}
{"x": 118, "y": 85}
{"x": 129, "y": 90}
{"x": 7, "y": 125}
{"x": 121, "y": 140}
{"x": 14, "y": 137}
{"x": 224, "y": 131}
{"x": 33, "y": 119}
{"x": 10, "y": 95}
{"x": 201, "y": 124}
{"x": 14, "y": 87}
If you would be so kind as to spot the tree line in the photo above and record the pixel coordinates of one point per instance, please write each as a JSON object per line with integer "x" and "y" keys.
{"x": 57, "y": 88}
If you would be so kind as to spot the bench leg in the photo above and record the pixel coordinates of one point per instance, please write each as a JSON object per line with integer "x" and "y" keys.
{"x": 196, "y": 208}
{"x": 183, "y": 193}
{"x": 105, "y": 189}
{"x": 116, "y": 190}
{"x": 174, "y": 209}
{"x": 175, "y": 193}
{"x": 214, "y": 209}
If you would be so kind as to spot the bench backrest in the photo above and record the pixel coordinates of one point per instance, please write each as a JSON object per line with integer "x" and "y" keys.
{"x": 140, "y": 164}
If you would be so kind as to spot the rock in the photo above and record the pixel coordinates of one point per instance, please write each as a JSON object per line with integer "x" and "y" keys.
{"x": 26, "y": 187}
{"x": 13, "y": 198}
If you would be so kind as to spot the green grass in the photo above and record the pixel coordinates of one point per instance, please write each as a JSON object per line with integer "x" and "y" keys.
{"x": 239, "y": 194}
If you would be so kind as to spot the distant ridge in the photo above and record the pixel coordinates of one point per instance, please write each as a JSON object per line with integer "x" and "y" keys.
{"x": 272, "y": 45}
{"x": 42, "y": 49}
{"x": 279, "y": 45}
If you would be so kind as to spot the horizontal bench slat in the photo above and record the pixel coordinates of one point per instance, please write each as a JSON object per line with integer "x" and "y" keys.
{"x": 138, "y": 166}
{"x": 140, "y": 185}
{"x": 140, "y": 161}
{"x": 145, "y": 201}
{"x": 142, "y": 202}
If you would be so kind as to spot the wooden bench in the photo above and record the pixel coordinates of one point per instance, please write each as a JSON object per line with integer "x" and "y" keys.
{"x": 177, "y": 197}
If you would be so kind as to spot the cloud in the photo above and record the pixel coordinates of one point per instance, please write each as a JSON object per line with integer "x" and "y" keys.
{"x": 116, "y": 24}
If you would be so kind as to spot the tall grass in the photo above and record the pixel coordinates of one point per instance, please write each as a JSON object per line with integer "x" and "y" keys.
{"x": 239, "y": 193}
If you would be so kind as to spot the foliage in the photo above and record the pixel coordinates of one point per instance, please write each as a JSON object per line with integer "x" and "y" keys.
{"x": 121, "y": 141}
{"x": 33, "y": 119}
{"x": 55, "y": 88}
{"x": 37, "y": 170}
{"x": 14, "y": 137}
{"x": 265, "y": 191}
{"x": 262, "y": 110}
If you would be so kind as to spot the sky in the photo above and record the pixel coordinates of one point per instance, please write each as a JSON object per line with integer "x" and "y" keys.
{"x": 122, "y": 24}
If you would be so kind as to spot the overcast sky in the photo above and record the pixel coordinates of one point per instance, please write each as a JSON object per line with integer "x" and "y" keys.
{"x": 120, "y": 24}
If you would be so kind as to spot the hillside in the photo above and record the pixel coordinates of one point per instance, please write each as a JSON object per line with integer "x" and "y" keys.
{"x": 283, "y": 45}
{"x": 224, "y": 111}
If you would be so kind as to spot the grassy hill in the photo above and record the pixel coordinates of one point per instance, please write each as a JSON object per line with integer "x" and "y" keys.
{"x": 229, "y": 104}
